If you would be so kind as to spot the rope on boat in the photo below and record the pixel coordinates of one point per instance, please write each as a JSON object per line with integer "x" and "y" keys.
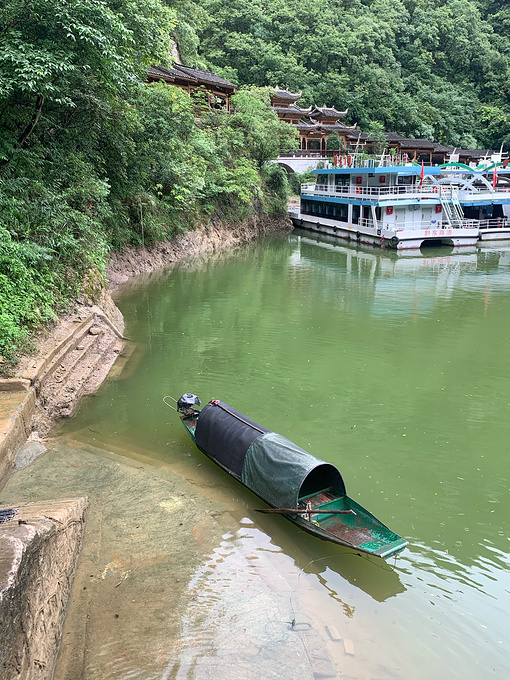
{"x": 215, "y": 402}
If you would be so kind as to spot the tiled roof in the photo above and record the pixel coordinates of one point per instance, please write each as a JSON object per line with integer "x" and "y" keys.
{"x": 293, "y": 109}
{"x": 357, "y": 133}
{"x": 337, "y": 127}
{"x": 440, "y": 148}
{"x": 475, "y": 153}
{"x": 327, "y": 112}
{"x": 308, "y": 126}
{"x": 393, "y": 137}
{"x": 192, "y": 75}
{"x": 411, "y": 143}
{"x": 286, "y": 95}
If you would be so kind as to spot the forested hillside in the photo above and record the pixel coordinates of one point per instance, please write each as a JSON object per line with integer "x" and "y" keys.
{"x": 426, "y": 68}
{"x": 93, "y": 158}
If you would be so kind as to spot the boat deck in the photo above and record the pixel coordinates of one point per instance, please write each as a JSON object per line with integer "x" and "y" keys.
{"x": 359, "y": 528}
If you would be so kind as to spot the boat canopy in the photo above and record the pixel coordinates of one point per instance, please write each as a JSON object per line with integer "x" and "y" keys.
{"x": 273, "y": 467}
{"x": 281, "y": 472}
{"x": 225, "y": 435}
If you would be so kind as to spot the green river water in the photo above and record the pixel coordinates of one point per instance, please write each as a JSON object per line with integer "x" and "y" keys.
{"x": 394, "y": 368}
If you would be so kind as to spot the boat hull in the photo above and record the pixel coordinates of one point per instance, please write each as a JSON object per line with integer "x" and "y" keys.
{"x": 404, "y": 239}
{"x": 341, "y": 520}
{"x": 497, "y": 234}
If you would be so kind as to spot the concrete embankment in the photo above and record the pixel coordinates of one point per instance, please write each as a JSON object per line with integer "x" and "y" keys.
{"x": 71, "y": 361}
{"x": 38, "y": 555}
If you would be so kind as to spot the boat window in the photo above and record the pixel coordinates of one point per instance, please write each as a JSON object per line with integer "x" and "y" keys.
{"x": 342, "y": 180}
{"x": 343, "y": 212}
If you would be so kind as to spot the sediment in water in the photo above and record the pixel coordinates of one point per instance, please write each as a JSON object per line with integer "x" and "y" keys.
{"x": 71, "y": 359}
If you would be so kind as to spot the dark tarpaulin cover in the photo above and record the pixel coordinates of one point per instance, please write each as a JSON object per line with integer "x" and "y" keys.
{"x": 276, "y": 469}
{"x": 226, "y": 435}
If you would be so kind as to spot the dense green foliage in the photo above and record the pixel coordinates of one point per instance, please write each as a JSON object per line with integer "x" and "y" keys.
{"x": 433, "y": 68}
{"x": 92, "y": 158}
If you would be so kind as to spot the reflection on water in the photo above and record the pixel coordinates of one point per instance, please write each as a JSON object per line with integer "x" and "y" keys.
{"x": 395, "y": 367}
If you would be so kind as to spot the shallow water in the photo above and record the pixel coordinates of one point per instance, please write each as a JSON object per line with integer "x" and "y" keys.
{"x": 394, "y": 368}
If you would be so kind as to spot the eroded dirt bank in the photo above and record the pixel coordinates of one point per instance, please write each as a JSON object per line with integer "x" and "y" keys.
{"x": 69, "y": 363}
{"x": 217, "y": 235}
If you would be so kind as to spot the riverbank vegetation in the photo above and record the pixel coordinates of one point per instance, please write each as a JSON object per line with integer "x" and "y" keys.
{"x": 92, "y": 158}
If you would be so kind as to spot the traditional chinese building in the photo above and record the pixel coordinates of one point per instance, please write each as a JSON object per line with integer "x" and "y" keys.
{"x": 314, "y": 124}
{"x": 218, "y": 90}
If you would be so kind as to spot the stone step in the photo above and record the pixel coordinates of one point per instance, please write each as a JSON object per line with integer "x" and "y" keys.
{"x": 62, "y": 391}
{"x": 66, "y": 348}
{"x": 95, "y": 358}
{"x": 75, "y": 356}
{"x": 42, "y": 369}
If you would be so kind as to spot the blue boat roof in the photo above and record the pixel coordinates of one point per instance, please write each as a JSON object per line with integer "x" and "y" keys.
{"x": 382, "y": 170}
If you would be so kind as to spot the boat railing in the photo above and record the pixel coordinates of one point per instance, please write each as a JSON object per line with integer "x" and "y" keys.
{"x": 494, "y": 223}
{"x": 430, "y": 225}
{"x": 394, "y": 191}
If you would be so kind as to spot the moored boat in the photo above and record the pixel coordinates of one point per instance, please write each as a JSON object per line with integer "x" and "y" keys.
{"x": 407, "y": 206}
{"x": 306, "y": 490}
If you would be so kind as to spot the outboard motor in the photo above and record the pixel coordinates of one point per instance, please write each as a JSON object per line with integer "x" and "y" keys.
{"x": 187, "y": 402}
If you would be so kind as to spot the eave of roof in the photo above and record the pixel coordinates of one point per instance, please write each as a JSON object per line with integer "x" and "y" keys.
{"x": 328, "y": 112}
{"x": 191, "y": 75}
{"x": 286, "y": 95}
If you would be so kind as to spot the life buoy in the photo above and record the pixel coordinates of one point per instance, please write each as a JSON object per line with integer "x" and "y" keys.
{"x": 358, "y": 190}
{"x": 436, "y": 190}
{"x": 394, "y": 241}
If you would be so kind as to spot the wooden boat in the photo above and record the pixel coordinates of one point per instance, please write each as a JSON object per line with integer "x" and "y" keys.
{"x": 308, "y": 491}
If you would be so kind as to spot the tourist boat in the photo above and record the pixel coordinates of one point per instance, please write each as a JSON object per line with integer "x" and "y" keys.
{"x": 304, "y": 489}
{"x": 407, "y": 206}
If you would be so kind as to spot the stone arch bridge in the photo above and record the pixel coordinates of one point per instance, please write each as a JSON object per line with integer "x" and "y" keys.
{"x": 301, "y": 161}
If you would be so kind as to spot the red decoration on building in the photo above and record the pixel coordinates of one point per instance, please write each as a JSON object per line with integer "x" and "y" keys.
{"x": 359, "y": 180}
{"x": 389, "y": 210}
{"x": 439, "y": 208}
{"x": 382, "y": 179}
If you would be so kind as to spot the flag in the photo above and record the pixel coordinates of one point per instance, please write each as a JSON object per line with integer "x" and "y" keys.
{"x": 422, "y": 174}
{"x": 495, "y": 177}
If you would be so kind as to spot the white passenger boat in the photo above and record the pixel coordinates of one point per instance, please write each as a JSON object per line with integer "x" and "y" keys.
{"x": 406, "y": 206}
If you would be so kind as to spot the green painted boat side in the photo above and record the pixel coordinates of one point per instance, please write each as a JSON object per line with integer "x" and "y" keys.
{"x": 359, "y": 530}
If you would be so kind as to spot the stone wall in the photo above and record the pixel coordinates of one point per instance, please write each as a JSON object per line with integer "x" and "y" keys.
{"x": 38, "y": 553}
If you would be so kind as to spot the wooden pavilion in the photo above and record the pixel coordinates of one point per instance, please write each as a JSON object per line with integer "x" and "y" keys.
{"x": 218, "y": 90}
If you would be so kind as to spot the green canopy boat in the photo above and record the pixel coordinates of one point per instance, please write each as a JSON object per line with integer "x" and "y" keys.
{"x": 306, "y": 490}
